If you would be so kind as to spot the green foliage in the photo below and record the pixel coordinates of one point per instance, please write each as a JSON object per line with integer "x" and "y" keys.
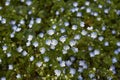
{"x": 38, "y": 40}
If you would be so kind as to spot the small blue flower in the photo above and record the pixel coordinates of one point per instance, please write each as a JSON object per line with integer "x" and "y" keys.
{"x": 46, "y": 59}
{"x": 68, "y": 63}
{"x": 72, "y": 71}
{"x": 75, "y": 4}
{"x": 57, "y": 72}
{"x": 114, "y": 60}
{"x": 118, "y": 43}
{"x": 106, "y": 43}
{"x": 38, "y": 20}
{"x": 28, "y": 2}
{"x": 50, "y": 32}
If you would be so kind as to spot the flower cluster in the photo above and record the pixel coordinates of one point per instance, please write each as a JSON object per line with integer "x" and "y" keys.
{"x": 59, "y": 39}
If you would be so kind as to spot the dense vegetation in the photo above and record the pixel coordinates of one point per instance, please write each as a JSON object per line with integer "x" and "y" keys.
{"x": 59, "y": 39}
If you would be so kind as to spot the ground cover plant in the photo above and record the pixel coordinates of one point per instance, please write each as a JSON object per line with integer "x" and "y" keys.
{"x": 59, "y": 39}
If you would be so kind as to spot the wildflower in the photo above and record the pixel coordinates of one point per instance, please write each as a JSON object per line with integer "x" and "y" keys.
{"x": 66, "y": 47}
{"x": 103, "y": 28}
{"x": 80, "y": 69}
{"x": 12, "y": 22}
{"x": 68, "y": 63}
{"x": 88, "y": 10}
{"x": 95, "y": 14}
{"x": 73, "y": 10}
{"x": 41, "y": 35}
{"x": 7, "y": 3}
{"x": 72, "y": 43}
{"x": 118, "y": 49}
{"x": 116, "y": 52}
{"x": 18, "y": 29}
{"x": 0, "y": 60}
{"x": 84, "y": 32}
{"x": 79, "y": 14}
{"x": 39, "y": 64}
{"x": 90, "y": 28}
{"x": 38, "y": 20}
{"x": 18, "y": 76}
{"x": 24, "y": 53}
{"x": 52, "y": 47}
{"x": 118, "y": 12}
{"x": 91, "y": 54}
{"x": 62, "y": 39}
{"x": 74, "y": 27}
{"x": 114, "y": 60}
{"x": 93, "y": 35}
{"x": 30, "y": 25}
{"x": 82, "y": 24}
{"x": 113, "y": 32}
{"x": 4, "y": 48}
{"x": 72, "y": 71}
{"x": 3, "y": 21}
{"x": 54, "y": 42}
{"x": 87, "y": 3}
{"x": 35, "y": 44}
{"x": 57, "y": 72}
{"x": 64, "y": 51}
{"x": 82, "y": 7}
{"x": 46, "y": 59}
{"x": 0, "y": 17}
{"x": 75, "y": 4}
{"x": 62, "y": 9}
{"x": 96, "y": 51}
{"x": 32, "y": 21}
{"x": 100, "y": 6}
{"x": 31, "y": 58}
{"x": 28, "y": 43}
{"x": 10, "y": 67}
{"x": 62, "y": 63}
{"x": 54, "y": 26}
{"x": 91, "y": 75}
{"x": 109, "y": 78}
{"x": 19, "y": 49}
{"x": 77, "y": 37}
{"x": 106, "y": 11}
{"x": 106, "y": 43}
{"x": 22, "y": 22}
{"x": 59, "y": 59}
{"x": 29, "y": 12}
{"x": 30, "y": 37}
{"x": 118, "y": 43}
{"x": 112, "y": 68}
{"x": 98, "y": 19}
{"x": 66, "y": 23}
{"x": 101, "y": 38}
{"x": 28, "y": 2}
{"x": 3, "y": 78}
{"x": 72, "y": 58}
{"x": 22, "y": 0}
{"x": 62, "y": 30}
{"x": 14, "y": 27}
{"x": 81, "y": 62}
{"x": 74, "y": 49}
{"x": 80, "y": 77}
{"x": 42, "y": 50}
{"x": 8, "y": 54}
{"x": 76, "y": 9}
{"x": 90, "y": 48}
{"x": 50, "y": 32}
{"x": 57, "y": 13}
{"x": 48, "y": 42}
